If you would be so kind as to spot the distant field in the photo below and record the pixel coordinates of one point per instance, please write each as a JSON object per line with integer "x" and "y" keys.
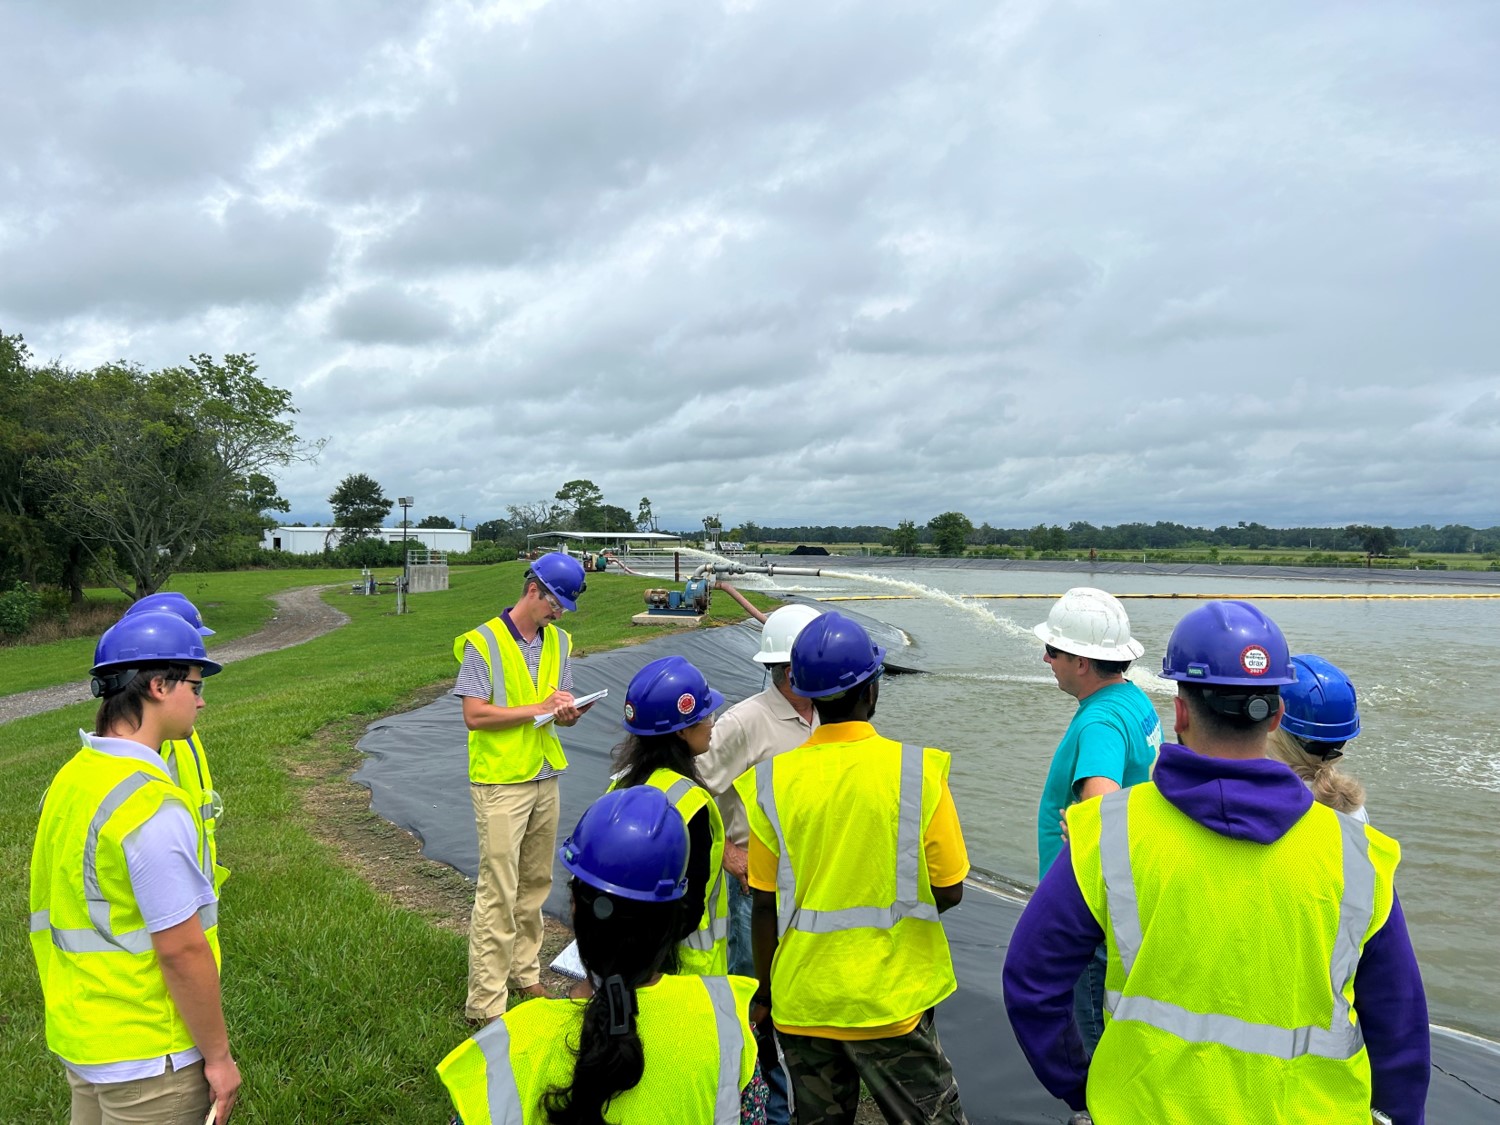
{"x": 1269, "y": 556}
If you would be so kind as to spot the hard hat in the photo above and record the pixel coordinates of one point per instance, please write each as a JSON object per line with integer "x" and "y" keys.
{"x": 666, "y": 695}
{"x": 1321, "y": 705}
{"x": 562, "y": 576}
{"x": 780, "y": 630}
{"x": 832, "y": 655}
{"x": 172, "y": 602}
{"x": 1228, "y": 644}
{"x": 145, "y": 640}
{"x": 632, "y": 843}
{"x": 1089, "y": 622}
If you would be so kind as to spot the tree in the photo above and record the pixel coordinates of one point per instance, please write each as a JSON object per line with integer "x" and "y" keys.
{"x": 644, "y": 520}
{"x": 1372, "y": 540}
{"x": 950, "y": 531}
{"x": 580, "y": 501}
{"x": 436, "y": 521}
{"x": 359, "y": 507}
{"x": 154, "y": 464}
{"x": 905, "y": 539}
{"x": 611, "y": 517}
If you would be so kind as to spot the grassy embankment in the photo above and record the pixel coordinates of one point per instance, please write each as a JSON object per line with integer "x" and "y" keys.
{"x": 234, "y": 605}
{"x": 340, "y": 999}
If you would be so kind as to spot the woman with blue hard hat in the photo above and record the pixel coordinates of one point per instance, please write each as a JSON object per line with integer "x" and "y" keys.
{"x": 124, "y": 914}
{"x": 1322, "y": 715}
{"x": 643, "y": 1045}
{"x": 186, "y": 758}
{"x": 669, "y": 723}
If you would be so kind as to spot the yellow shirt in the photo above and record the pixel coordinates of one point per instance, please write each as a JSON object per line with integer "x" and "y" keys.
{"x": 947, "y": 864}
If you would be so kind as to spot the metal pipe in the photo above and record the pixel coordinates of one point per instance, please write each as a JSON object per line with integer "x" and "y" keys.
{"x": 733, "y": 568}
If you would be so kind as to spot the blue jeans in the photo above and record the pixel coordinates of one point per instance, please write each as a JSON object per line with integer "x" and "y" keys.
{"x": 1088, "y": 1001}
{"x": 742, "y": 963}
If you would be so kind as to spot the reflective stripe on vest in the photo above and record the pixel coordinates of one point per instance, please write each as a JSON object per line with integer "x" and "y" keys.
{"x": 730, "y": 1026}
{"x": 717, "y": 929}
{"x": 504, "y": 1098}
{"x": 908, "y": 862}
{"x": 1342, "y": 1039}
{"x": 102, "y": 938}
{"x": 497, "y": 662}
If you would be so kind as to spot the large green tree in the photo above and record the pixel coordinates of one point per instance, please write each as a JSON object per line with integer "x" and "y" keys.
{"x": 580, "y": 501}
{"x": 154, "y": 464}
{"x": 359, "y": 506}
{"x": 436, "y": 521}
{"x": 950, "y": 532}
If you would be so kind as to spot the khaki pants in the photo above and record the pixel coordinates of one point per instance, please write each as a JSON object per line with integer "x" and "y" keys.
{"x": 178, "y": 1097}
{"x": 517, "y": 826}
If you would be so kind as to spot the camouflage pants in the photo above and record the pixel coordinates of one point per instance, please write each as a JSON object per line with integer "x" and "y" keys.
{"x": 908, "y": 1076}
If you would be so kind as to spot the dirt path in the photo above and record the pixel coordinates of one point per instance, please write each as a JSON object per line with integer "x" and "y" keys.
{"x": 301, "y": 615}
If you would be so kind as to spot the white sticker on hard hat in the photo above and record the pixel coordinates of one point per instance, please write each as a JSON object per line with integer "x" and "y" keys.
{"x": 686, "y": 703}
{"x": 1255, "y": 660}
{"x": 630, "y": 712}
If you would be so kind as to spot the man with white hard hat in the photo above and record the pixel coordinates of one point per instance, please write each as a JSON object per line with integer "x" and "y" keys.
{"x": 753, "y": 731}
{"x": 1110, "y": 744}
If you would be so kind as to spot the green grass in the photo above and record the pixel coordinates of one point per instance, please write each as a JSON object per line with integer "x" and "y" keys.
{"x": 234, "y": 604}
{"x": 339, "y": 1002}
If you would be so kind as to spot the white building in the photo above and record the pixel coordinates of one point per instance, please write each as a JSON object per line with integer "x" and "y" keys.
{"x": 312, "y": 540}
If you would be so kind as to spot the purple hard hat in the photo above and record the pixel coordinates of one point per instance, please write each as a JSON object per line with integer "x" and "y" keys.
{"x": 668, "y": 695}
{"x": 631, "y": 843}
{"x": 1228, "y": 644}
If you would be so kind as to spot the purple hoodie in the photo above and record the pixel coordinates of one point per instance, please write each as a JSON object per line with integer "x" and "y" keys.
{"x": 1255, "y": 800}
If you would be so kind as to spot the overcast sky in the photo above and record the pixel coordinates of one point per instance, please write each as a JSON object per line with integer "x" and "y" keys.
{"x": 793, "y": 262}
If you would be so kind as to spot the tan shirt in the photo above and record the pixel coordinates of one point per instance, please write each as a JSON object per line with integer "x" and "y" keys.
{"x": 749, "y": 733}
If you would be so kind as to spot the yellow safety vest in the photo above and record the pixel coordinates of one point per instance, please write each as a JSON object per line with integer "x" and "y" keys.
{"x": 505, "y": 757}
{"x": 860, "y": 941}
{"x": 1227, "y": 998}
{"x": 105, "y": 996}
{"x": 695, "y": 1037}
{"x": 704, "y": 953}
{"x": 187, "y": 762}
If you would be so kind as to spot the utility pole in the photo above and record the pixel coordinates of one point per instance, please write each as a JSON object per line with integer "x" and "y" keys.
{"x": 406, "y": 502}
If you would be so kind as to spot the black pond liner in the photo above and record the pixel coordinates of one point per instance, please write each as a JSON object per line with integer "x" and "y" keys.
{"x": 417, "y": 773}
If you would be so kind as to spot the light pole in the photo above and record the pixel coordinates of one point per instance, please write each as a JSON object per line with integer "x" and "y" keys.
{"x": 406, "y": 502}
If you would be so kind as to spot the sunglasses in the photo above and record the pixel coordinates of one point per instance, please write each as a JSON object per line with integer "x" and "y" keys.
{"x": 1054, "y": 653}
{"x": 196, "y": 685}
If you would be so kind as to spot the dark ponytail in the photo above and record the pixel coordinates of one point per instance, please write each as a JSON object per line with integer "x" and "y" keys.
{"x": 639, "y": 756}
{"x": 623, "y": 944}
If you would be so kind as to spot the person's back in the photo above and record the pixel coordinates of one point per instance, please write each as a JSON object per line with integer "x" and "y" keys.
{"x": 687, "y": 1073}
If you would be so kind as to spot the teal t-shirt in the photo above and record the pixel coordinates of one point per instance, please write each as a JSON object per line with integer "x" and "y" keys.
{"x": 1115, "y": 734}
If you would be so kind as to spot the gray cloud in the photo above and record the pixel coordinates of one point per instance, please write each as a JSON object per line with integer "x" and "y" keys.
{"x": 833, "y": 263}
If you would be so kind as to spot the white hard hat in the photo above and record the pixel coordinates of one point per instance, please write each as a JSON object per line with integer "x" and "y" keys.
{"x": 780, "y": 630}
{"x": 1089, "y": 622}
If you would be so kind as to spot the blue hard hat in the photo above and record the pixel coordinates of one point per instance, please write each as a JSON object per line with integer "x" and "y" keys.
{"x": 146, "y": 640}
{"x": 631, "y": 843}
{"x": 172, "y": 602}
{"x": 1321, "y": 706}
{"x": 562, "y": 576}
{"x": 1228, "y": 644}
{"x": 832, "y": 655}
{"x": 666, "y": 695}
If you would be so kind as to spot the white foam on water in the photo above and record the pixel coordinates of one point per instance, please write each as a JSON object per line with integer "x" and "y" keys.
{"x": 993, "y": 621}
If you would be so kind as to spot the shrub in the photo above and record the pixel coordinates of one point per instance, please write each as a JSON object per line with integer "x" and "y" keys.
{"x": 19, "y": 607}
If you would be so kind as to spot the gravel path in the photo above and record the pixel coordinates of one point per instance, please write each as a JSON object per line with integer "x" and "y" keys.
{"x": 301, "y": 615}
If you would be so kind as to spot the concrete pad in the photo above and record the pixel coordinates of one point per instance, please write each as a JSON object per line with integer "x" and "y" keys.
{"x": 667, "y": 619}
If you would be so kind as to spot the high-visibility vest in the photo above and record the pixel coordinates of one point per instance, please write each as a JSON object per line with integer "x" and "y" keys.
{"x": 505, "y": 757}
{"x": 187, "y": 762}
{"x": 1229, "y": 987}
{"x": 695, "y": 1037}
{"x": 860, "y": 941}
{"x": 106, "y": 999}
{"x": 705, "y": 952}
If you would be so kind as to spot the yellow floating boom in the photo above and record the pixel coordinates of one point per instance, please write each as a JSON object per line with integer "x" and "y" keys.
{"x": 1181, "y": 597}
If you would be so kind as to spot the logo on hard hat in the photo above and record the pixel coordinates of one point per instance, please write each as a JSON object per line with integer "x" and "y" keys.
{"x": 686, "y": 703}
{"x": 630, "y": 712}
{"x": 1255, "y": 660}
